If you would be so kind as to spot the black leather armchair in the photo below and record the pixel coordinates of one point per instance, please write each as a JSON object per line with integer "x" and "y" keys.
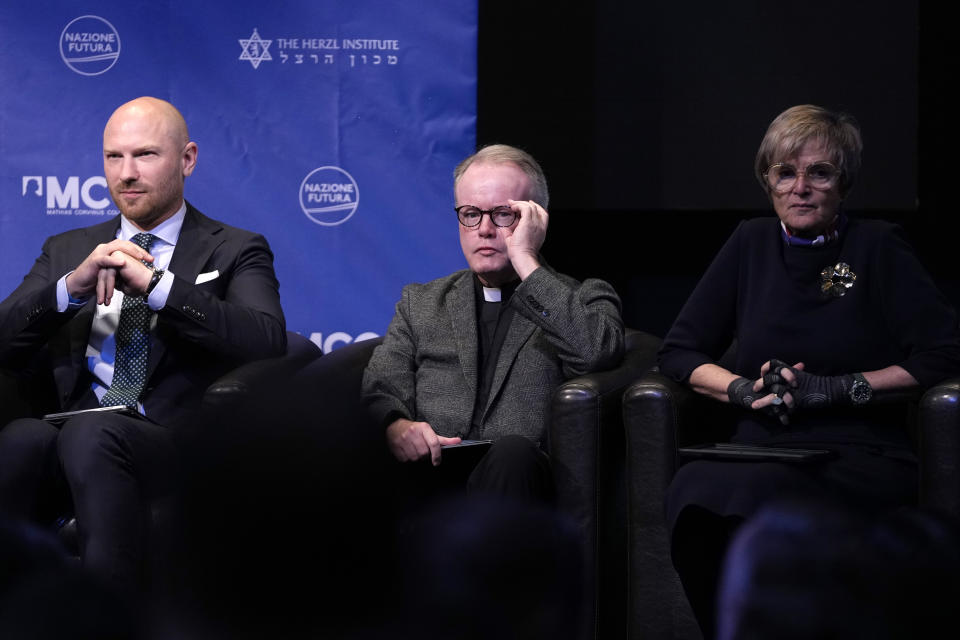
{"x": 660, "y": 416}
{"x": 938, "y": 445}
{"x": 586, "y": 442}
{"x": 233, "y": 387}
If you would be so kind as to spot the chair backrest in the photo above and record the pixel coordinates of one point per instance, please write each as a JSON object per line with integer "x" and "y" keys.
{"x": 332, "y": 385}
{"x": 301, "y": 348}
{"x": 237, "y": 384}
{"x": 346, "y": 364}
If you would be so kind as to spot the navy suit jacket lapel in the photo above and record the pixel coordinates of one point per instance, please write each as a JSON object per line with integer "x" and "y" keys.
{"x": 197, "y": 241}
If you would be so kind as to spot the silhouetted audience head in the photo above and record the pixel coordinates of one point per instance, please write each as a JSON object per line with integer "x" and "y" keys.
{"x": 481, "y": 567}
{"x": 799, "y": 570}
{"x": 46, "y": 595}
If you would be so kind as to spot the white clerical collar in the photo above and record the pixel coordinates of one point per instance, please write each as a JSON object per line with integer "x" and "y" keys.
{"x": 168, "y": 230}
{"x": 491, "y": 294}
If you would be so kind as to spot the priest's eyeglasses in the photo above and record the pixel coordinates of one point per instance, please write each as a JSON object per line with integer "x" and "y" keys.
{"x": 470, "y": 216}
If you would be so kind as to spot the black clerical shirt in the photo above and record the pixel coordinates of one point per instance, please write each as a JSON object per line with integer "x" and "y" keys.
{"x": 493, "y": 322}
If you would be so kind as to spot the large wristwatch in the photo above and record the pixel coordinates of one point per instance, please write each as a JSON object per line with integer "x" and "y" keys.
{"x": 860, "y": 391}
{"x": 154, "y": 279}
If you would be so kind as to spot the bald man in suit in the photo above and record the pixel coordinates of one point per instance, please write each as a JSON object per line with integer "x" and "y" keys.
{"x": 207, "y": 300}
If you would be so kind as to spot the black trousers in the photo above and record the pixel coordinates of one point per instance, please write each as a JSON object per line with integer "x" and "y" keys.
{"x": 107, "y": 466}
{"x": 513, "y": 467}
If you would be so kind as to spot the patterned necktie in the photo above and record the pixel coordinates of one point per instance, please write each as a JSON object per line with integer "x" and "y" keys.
{"x": 133, "y": 344}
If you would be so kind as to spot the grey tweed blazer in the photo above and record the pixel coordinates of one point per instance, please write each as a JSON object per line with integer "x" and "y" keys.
{"x": 426, "y": 369}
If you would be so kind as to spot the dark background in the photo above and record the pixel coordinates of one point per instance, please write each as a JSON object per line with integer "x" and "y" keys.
{"x": 646, "y": 117}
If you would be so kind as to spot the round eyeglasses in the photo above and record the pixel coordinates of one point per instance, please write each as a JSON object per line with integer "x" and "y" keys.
{"x": 820, "y": 176}
{"x": 470, "y": 216}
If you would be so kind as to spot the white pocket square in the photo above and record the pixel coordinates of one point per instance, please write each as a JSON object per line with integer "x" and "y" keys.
{"x": 207, "y": 277}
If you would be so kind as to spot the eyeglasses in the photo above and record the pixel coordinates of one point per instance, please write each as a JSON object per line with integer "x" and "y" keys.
{"x": 470, "y": 216}
{"x": 819, "y": 175}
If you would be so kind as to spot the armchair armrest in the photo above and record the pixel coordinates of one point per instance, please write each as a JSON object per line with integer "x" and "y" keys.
{"x": 237, "y": 383}
{"x": 659, "y": 415}
{"x": 662, "y": 415}
{"x": 585, "y": 437}
{"x": 585, "y": 424}
{"x": 938, "y": 423}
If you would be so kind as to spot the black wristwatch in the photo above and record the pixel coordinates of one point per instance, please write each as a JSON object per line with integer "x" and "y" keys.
{"x": 154, "y": 279}
{"x": 860, "y": 391}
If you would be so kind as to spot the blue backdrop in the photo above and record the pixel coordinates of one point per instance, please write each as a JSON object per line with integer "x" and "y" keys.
{"x": 332, "y": 127}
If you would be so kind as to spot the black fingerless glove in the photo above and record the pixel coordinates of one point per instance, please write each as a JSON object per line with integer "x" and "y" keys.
{"x": 773, "y": 381}
{"x": 817, "y": 392}
{"x": 741, "y": 393}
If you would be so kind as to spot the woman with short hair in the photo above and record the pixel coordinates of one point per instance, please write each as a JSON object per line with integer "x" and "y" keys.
{"x": 828, "y": 312}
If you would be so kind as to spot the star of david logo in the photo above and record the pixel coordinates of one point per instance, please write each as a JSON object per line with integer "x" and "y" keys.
{"x": 255, "y": 49}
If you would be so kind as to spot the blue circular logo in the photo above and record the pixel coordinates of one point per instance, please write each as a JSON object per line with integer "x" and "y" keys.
{"x": 329, "y": 196}
{"x": 89, "y": 45}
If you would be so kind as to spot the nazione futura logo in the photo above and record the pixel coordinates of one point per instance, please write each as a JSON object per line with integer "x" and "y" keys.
{"x": 89, "y": 45}
{"x": 329, "y": 196}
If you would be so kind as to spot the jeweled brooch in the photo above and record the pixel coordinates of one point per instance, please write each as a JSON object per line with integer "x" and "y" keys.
{"x": 835, "y": 280}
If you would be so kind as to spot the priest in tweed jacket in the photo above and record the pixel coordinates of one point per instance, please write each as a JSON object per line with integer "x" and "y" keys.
{"x": 476, "y": 355}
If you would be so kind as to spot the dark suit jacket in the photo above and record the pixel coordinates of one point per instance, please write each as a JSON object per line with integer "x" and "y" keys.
{"x": 426, "y": 368}
{"x": 203, "y": 331}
